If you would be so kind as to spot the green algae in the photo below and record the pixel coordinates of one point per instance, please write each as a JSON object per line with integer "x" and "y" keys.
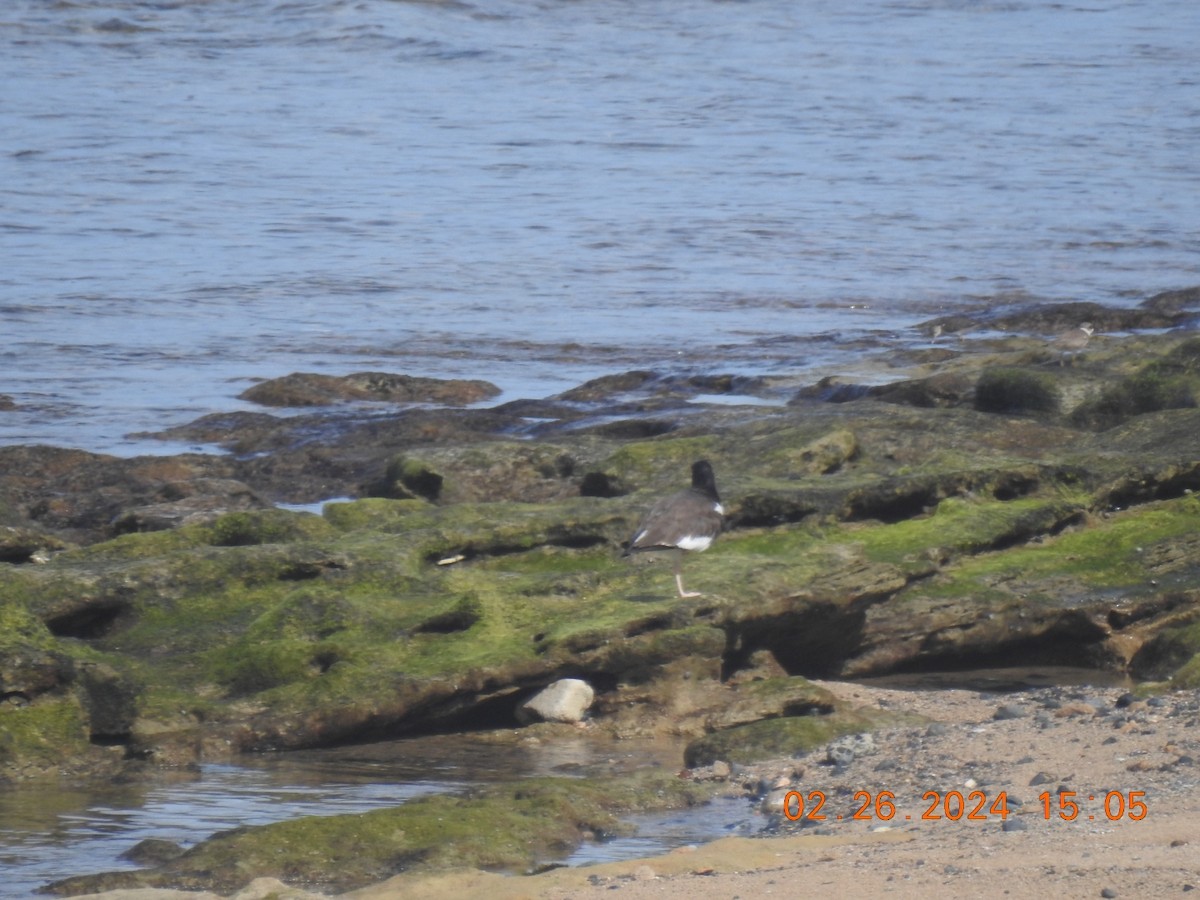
{"x": 1172, "y": 381}
{"x": 784, "y": 737}
{"x": 364, "y": 608}
{"x": 366, "y": 615}
{"x": 500, "y": 828}
{"x": 371, "y": 513}
{"x": 1111, "y": 554}
{"x": 665, "y": 459}
{"x": 42, "y": 735}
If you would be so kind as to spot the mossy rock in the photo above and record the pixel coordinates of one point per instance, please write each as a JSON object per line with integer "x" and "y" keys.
{"x": 772, "y": 698}
{"x": 408, "y": 479}
{"x": 505, "y": 827}
{"x": 1171, "y": 654}
{"x": 37, "y": 738}
{"x": 1170, "y": 382}
{"x": 1187, "y": 676}
{"x": 371, "y": 513}
{"x": 264, "y": 526}
{"x": 773, "y": 738}
{"x": 1007, "y": 390}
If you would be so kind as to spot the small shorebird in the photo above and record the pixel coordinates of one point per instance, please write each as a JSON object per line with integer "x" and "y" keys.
{"x": 688, "y": 520}
{"x": 1073, "y": 341}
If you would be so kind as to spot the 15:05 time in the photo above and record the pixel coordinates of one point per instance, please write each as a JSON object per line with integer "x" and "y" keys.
{"x": 1117, "y": 805}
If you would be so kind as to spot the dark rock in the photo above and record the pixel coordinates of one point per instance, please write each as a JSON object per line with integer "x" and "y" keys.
{"x": 942, "y": 390}
{"x": 187, "y": 503}
{"x": 1172, "y": 303}
{"x": 608, "y": 386}
{"x": 110, "y": 699}
{"x": 27, "y": 672}
{"x": 1055, "y": 317}
{"x": 1009, "y": 711}
{"x": 830, "y": 390}
{"x": 309, "y": 389}
{"x": 152, "y": 852}
{"x": 79, "y": 495}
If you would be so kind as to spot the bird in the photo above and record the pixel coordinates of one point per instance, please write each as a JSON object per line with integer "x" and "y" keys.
{"x": 1073, "y": 341}
{"x": 688, "y": 520}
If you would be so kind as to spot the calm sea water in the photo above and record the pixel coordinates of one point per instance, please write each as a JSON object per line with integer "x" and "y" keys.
{"x": 197, "y": 194}
{"x": 54, "y": 832}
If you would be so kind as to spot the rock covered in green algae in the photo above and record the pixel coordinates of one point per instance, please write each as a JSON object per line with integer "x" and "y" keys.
{"x": 865, "y": 537}
{"x": 507, "y": 828}
{"x": 782, "y": 737}
{"x": 311, "y": 389}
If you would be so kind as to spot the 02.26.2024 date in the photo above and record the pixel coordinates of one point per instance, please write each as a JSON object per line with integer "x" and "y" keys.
{"x": 953, "y": 805}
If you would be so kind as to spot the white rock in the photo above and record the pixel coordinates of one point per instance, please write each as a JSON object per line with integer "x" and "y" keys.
{"x": 566, "y": 700}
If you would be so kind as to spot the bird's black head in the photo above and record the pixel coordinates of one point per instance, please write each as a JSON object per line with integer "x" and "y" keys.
{"x": 703, "y": 479}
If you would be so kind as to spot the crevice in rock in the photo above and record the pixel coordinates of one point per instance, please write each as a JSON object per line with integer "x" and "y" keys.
{"x": 599, "y": 484}
{"x": 90, "y": 622}
{"x": 1073, "y": 639}
{"x": 1014, "y": 485}
{"x": 767, "y": 510}
{"x": 306, "y": 570}
{"x": 460, "y": 618}
{"x": 1135, "y": 489}
{"x": 652, "y": 623}
{"x": 1120, "y": 619}
{"x": 812, "y": 642}
{"x": 893, "y": 502}
{"x": 1043, "y": 524}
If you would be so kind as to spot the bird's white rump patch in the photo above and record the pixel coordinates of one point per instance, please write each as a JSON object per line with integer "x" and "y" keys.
{"x": 694, "y": 542}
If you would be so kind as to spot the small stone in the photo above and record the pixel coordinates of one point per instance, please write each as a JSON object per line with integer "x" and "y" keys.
{"x": 1041, "y": 778}
{"x": 1009, "y": 711}
{"x": 1014, "y": 825}
{"x": 1108, "y": 893}
{"x": 846, "y": 749}
{"x": 1075, "y": 708}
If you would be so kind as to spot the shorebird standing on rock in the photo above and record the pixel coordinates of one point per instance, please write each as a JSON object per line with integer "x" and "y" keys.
{"x": 1073, "y": 341}
{"x": 688, "y": 520}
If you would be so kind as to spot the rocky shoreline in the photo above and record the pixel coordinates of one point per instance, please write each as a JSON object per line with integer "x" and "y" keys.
{"x": 990, "y": 505}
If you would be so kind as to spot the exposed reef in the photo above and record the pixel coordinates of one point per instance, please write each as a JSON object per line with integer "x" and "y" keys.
{"x": 992, "y": 508}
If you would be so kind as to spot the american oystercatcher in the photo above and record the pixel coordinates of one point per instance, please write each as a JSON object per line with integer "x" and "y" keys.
{"x": 688, "y": 520}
